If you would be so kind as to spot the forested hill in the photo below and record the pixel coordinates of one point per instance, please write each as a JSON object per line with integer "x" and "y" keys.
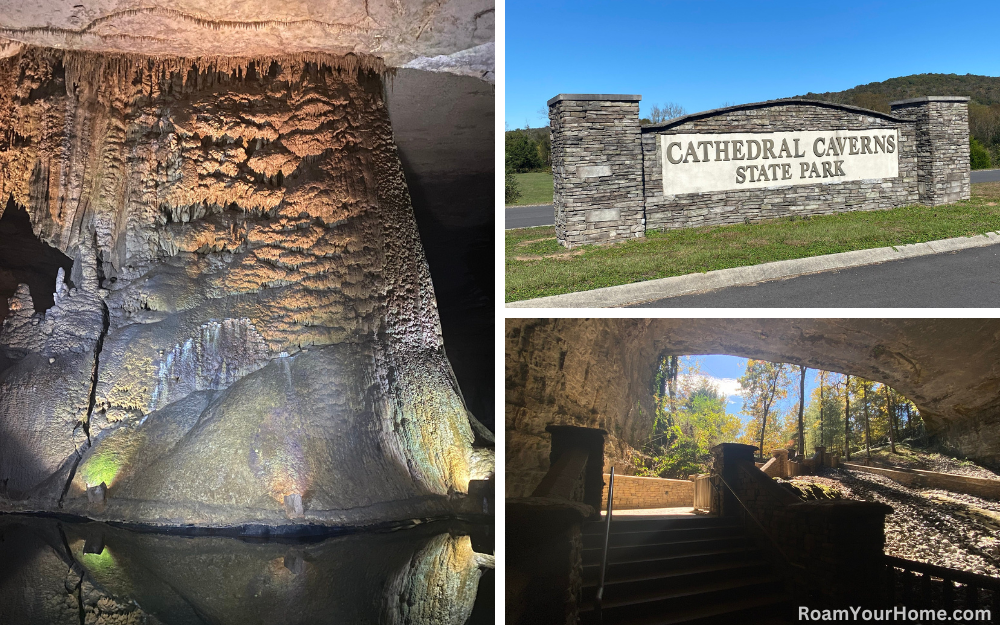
{"x": 877, "y": 95}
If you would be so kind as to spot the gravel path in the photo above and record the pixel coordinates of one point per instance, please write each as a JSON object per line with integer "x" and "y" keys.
{"x": 927, "y": 525}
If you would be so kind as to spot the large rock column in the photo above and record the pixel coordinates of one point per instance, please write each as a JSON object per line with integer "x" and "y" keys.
{"x": 249, "y": 321}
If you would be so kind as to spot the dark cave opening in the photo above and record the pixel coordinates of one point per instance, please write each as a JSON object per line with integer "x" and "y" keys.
{"x": 24, "y": 259}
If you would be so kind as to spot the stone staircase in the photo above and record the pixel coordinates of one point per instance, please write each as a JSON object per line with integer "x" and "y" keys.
{"x": 680, "y": 570}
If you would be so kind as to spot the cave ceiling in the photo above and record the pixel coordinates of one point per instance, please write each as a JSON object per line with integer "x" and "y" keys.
{"x": 437, "y": 35}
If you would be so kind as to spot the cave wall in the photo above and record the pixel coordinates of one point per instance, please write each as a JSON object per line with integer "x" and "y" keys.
{"x": 600, "y": 373}
{"x": 249, "y": 315}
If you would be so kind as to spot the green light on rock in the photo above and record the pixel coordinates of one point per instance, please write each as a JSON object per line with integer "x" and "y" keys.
{"x": 99, "y": 562}
{"x": 103, "y": 466}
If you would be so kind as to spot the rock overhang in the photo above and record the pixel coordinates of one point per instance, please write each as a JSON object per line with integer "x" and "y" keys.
{"x": 451, "y": 35}
{"x": 600, "y": 372}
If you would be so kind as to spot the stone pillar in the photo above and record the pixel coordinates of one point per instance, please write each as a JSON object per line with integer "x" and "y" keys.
{"x": 820, "y": 457}
{"x": 596, "y": 168}
{"x": 544, "y": 560}
{"x": 943, "y": 168}
{"x": 726, "y": 459}
{"x": 566, "y": 437}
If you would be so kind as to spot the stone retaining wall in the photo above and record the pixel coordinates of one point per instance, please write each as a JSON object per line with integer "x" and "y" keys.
{"x": 980, "y": 487}
{"x": 635, "y": 493}
{"x": 608, "y": 172}
{"x": 831, "y": 549}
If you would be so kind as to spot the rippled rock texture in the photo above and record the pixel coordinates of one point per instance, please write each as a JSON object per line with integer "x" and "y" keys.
{"x": 55, "y": 573}
{"x": 248, "y": 332}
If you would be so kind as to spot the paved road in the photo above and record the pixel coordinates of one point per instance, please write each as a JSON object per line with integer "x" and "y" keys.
{"x": 986, "y": 175}
{"x": 969, "y": 278}
{"x": 528, "y": 216}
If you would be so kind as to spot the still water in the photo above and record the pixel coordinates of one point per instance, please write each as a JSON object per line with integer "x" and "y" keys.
{"x": 55, "y": 571}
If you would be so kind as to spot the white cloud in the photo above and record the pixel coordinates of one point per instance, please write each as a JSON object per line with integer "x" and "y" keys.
{"x": 729, "y": 387}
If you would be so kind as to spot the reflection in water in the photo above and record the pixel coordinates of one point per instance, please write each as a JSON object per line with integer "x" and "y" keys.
{"x": 55, "y": 571}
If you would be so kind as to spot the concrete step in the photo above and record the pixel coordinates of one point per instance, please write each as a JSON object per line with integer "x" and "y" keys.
{"x": 651, "y": 566}
{"x": 655, "y": 550}
{"x": 643, "y": 524}
{"x": 677, "y": 578}
{"x": 767, "y": 608}
{"x": 624, "y": 538}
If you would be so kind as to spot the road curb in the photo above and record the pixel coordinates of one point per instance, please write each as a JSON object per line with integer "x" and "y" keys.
{"x": 651, "y": 290}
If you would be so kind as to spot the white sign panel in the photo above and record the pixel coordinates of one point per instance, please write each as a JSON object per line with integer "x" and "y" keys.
{"x": 697, "y": 163}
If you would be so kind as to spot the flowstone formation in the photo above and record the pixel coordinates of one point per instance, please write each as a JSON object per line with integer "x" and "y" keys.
{"x": 248, "y": 333}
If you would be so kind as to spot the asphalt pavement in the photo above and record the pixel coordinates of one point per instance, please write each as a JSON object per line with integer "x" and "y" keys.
{"x": 529, "y": 216}
{"x": 963, "y": 279}
{"x": 986, "y": 175}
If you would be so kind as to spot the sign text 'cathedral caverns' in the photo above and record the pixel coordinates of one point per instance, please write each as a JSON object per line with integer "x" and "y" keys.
{"x": 696, "y": 163}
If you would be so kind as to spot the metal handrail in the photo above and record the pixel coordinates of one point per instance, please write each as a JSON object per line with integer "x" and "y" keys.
{"x": 607, "y": 538}
{"x": 759, "y": 524}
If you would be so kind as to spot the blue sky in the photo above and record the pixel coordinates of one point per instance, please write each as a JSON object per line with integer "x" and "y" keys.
{"x": 726, "y": 369}
{"x": 704, "y": 54}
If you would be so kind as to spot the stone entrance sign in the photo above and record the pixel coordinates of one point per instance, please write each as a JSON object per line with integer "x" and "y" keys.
{"x": 614, "y": 179}
{"x": 696, "y": 163}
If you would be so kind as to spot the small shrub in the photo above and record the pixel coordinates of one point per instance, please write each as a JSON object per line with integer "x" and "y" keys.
{"x": 521, "y": 151}
{"x": 980, "y": 156}
{"x": 511, "y": 188}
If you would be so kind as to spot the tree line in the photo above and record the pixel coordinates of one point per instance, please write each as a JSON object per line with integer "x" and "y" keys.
{"x": 984, "y": 107}
{"x": 691, "y": 416}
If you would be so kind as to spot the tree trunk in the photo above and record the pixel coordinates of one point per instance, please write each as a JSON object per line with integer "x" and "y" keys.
{"x": 868, "y": 432}
{"x": 847, "y": 417}
{"x": 672, "y": 369}
{"x": 763, "y": 424}
{"x": 822, "y": 430}
{"x": 889, "y": 409}
{"x": 802, "y": 404}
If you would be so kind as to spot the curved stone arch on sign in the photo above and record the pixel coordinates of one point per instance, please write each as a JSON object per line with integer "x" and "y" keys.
{"x": 670, "y": 123}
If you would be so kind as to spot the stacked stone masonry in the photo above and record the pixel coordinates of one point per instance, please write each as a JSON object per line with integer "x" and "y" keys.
{"x": 636, "y": 493}
{"x": 942, "y": 133}
{"x": 597, "y": 168}
{"x": 933, "y": 164}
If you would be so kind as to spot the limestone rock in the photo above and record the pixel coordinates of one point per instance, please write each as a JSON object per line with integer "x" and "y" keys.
{"x": 397, "y": 30}
{"x": 249, "y": 313}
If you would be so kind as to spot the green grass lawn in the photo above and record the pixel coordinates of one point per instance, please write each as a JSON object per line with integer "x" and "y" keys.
{"x": 537, "y": 266}
{"x": 536, "y": 188}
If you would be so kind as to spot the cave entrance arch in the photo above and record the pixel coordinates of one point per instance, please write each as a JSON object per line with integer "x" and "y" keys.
{"x": 599, "y": 373}
{"x": 25, "y": 259}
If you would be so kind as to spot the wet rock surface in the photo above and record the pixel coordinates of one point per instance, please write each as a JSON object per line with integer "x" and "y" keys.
{"x": 947, "y": 529}
{"x": 54, "y": 572}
